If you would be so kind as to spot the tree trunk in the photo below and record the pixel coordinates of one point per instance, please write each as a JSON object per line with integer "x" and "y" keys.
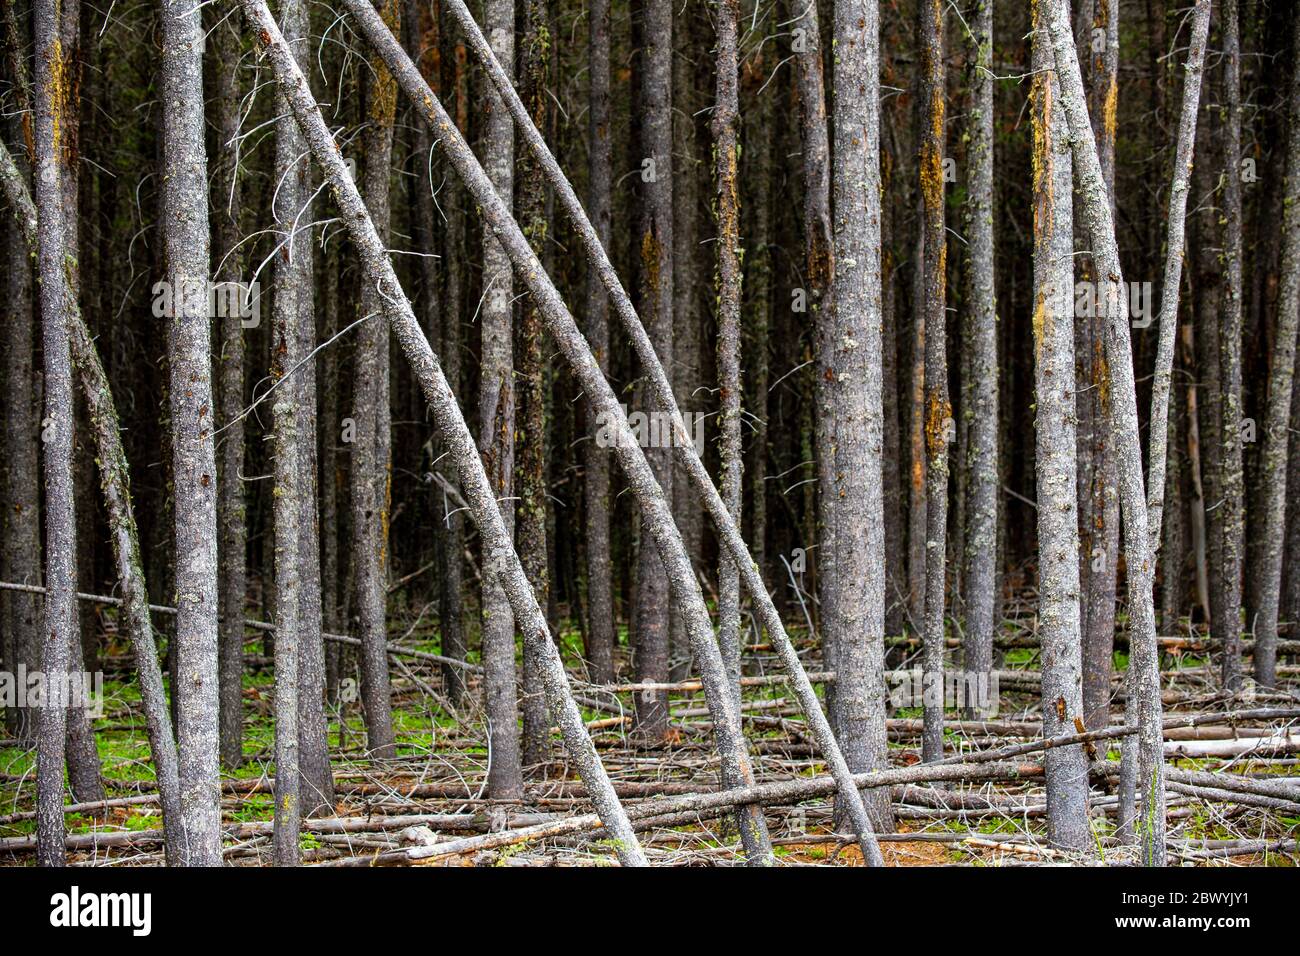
{"x": 1058, "y": 529}
{"x": 979, "y": 594}
{"x": 938, "y": 411}
{"x": 185, "y": 252}
{"x": 595, "y": 459}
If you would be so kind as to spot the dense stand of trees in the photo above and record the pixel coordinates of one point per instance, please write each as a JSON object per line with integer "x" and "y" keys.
{"x": 924, "y": 314}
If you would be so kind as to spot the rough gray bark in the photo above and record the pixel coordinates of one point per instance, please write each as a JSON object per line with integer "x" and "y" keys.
{"x": 979, "y": 593}
{"x": 595, "y": 460}
{"x": 1058, "y": 528}
{"x": 184, "y": 215}
{"x": 1144, "y": 688}
{"x": 227, "y": 207}
{"x": 726, "y": 150}
{"x": 655, "y": 248}
{"x": 1232, "y": 486}
{"x": 857, "y": 623}
{"x": 1272, "y": 460}
{"x": 819, "y": 269}
{"x": 497, "y": 420}
{"x": 530, "y": 535}
{"x": 56, "y": 434}
{"x": 938, "y": 410}
{"x": 371, "y": 452}
{"x": 584, "y": 365}
{"x": 1175, "y": 240}
{"x": 482, "y": 502}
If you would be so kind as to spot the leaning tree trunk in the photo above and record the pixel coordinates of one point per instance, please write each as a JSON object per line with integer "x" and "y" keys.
{"x": 184, "y": 216}
{"x": 1058, "y": 528}
{"x": 502, "y": 560}
{"x": 1144, "y": 658}
{"x": 1272, "y": 459}
{"x": 938, "y": 411}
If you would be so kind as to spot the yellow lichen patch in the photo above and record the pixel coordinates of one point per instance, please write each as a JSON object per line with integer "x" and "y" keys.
{"x": 1109, "y": 109}
{"x": 650, "y": 253}
{"x": 937, "y": 413}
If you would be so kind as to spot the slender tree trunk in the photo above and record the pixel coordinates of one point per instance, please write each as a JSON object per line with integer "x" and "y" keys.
{"x": 497, "y": 422}
{"x": 656, "y": 303}
{"x": 1231, "y": 474}
{"x": 20, "y": 518}
{"x": 726, "y": 157}
{"x": 857, "y": 628}
{"x": 232, "y": 513}
{"x": 1175, "y": 241}
{"x": 979, "y": 594}
{"x": 531, "y": 535}
{"x": 1272, "y": 460}
{"x": 185, "y": 251}
{"x": 56, "y": 434}
{"x": 480, "y": 495}
{"x": 595, "y": 459}
{"x": 938, "y": 411}
{"x": 371, "y": 455}
{"x": 1058, "y": 528}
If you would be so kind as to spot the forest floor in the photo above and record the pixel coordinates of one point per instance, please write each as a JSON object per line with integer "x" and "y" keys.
{"x": 433, "y": 791}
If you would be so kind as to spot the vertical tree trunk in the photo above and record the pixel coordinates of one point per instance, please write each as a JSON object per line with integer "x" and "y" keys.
{"x": 1058, "y": 529}
{"x": 1231, "y": 474}
{"x": 595, "y": 460}
{"x": 858, "y": 624}
{"x": 1099, "y": 501}
{"x": 530, "y": 535}
{"x": 938, "y": 411}
{"x": 371, "y": 465}
{"x": 497, "y": 422}
{"x": 656, "y": 304}
{"x": 232, "y": 513}
{"x": 979, "y": 595}
{"x": 56, "y": 434}
{"x": 185, "y": 251}
{"x": 726, "y": 158}
{"x": 20, "y": 551}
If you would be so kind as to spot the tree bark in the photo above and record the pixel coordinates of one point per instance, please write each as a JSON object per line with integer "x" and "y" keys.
{"x": 1058, "y": 528}
{"x": 185, "y": 252}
